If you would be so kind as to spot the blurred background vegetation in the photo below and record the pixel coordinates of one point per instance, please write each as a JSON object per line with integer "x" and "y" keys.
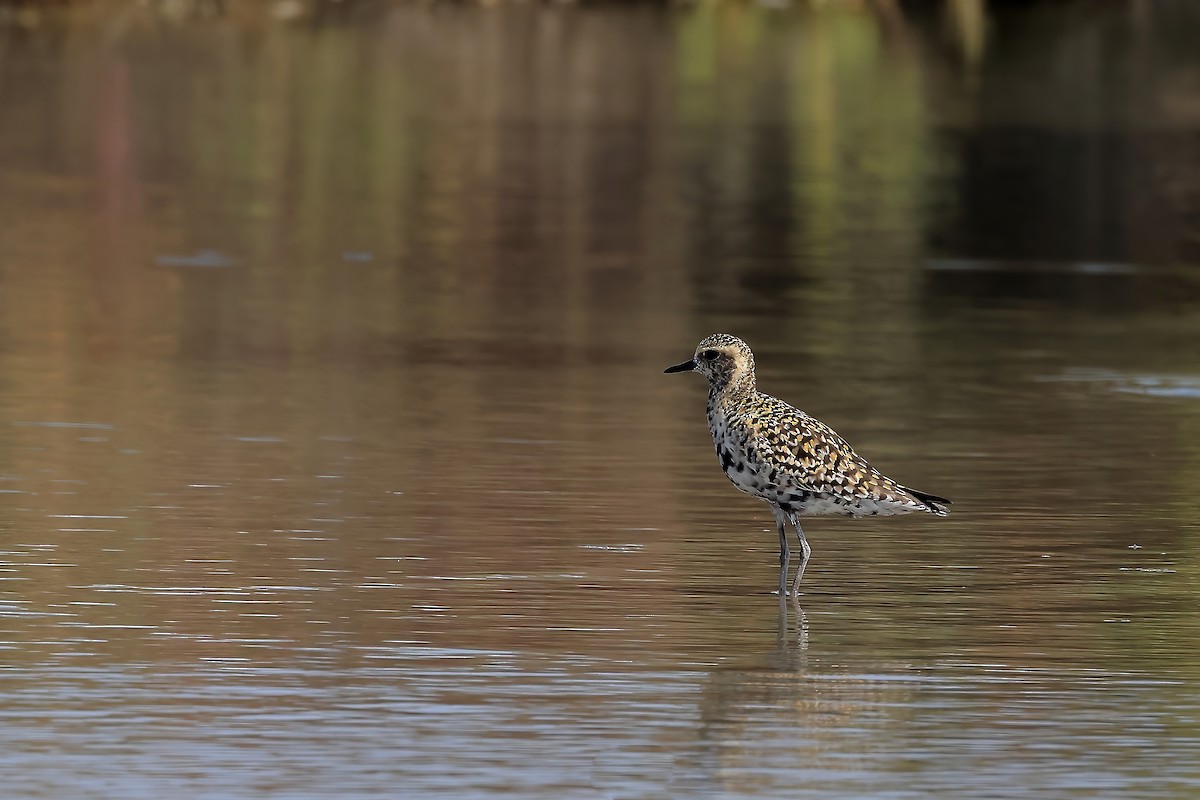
{"x": 966, "y": 230}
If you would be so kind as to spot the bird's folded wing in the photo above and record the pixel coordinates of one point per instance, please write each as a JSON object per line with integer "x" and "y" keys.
{"x": 817, "y": 459}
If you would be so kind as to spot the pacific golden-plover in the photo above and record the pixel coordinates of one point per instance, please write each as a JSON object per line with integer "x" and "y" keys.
{"x": 798, "y": 464}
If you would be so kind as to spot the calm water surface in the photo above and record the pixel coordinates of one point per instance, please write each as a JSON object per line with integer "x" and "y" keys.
{"x": 338, "y": 460}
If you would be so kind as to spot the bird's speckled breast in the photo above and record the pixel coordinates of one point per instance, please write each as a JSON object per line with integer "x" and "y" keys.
{"x": 740, "y": 466}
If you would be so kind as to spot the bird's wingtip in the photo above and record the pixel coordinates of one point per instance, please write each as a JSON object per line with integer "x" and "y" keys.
{"x": 936, "y": 505}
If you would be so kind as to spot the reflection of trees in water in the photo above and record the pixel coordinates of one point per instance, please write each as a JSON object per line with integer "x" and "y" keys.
{"x": 550, "y": 198}
{"x": 1072, "y": 140}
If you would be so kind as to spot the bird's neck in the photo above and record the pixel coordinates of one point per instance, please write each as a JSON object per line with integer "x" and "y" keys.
{"x": 738, "y": 387}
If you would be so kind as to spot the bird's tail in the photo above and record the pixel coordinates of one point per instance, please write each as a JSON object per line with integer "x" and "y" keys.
{"x": 934, "y": 504}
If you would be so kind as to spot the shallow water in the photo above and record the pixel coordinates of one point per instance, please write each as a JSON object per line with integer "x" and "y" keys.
{"x": 338, "y": 458}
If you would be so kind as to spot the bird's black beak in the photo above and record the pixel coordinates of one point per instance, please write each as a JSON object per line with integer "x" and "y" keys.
{"x": 686, "y": 366}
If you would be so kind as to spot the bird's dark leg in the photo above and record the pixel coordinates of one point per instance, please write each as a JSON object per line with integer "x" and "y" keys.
{"x": 784, "y": 553}
{"x": 805, "y": 552}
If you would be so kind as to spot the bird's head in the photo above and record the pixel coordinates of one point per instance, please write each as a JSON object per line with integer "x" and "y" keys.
{"x": 721, "y": 358}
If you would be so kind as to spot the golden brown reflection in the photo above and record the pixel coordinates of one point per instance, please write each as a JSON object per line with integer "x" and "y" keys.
{"x": 331, "y": 402}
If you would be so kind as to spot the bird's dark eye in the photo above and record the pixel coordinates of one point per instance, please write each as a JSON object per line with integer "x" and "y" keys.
{"x": 709, "y": 355}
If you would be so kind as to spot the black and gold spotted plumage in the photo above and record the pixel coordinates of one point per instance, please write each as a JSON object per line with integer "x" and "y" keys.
{"x": 776, "y": 452}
